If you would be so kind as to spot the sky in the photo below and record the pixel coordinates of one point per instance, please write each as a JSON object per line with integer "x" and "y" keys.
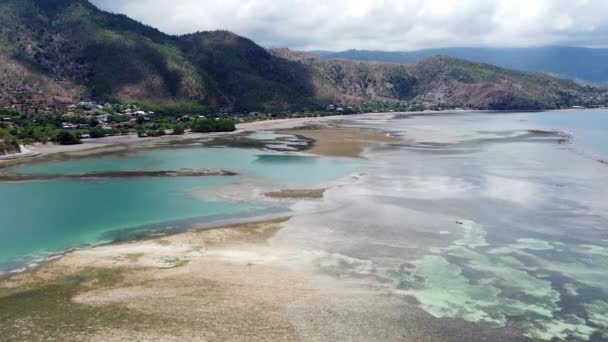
{"x": 395, "y": 25}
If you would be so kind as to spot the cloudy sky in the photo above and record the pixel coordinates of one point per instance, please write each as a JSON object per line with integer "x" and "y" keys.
{"x": 381, "y": 24}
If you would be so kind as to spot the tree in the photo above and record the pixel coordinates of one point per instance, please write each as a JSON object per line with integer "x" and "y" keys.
{"x": 67, "y": 138}
{"x": 97, "y": 132}
{"x": 179, "y": 130}
{"x": 225, "y": 125}
{"x": 204, "y": 125}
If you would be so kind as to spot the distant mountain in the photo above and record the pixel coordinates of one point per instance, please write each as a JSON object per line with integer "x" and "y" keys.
{"x": 439, "y": 80}
{"x": 584, "y": 64}
{"x": 56, "y": 52}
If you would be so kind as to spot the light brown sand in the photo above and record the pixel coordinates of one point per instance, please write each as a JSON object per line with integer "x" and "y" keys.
{"x": 341, "y": 141}
{"x": 218, "y": 284}
{"x": 118, "y": 143}
{"x": 225, "y": 284}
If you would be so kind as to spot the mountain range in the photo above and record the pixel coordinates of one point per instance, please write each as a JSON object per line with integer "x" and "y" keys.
{"x": 57, "y": 52}
{"x": 583, "y": 64}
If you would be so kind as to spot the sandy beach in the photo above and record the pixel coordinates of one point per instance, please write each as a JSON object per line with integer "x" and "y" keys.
{"x": 118, "y": 143}
{"x": 218, "y": 284}
{"x": 224, "y": 283}
{"x": 306, "y": 277}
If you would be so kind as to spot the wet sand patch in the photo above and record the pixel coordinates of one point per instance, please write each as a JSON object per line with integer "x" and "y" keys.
{"x": 340, "y": 141}
{"x": 120, "y": 174}
{"x": 297, "y": 194}
{"x": 226, "y": 283}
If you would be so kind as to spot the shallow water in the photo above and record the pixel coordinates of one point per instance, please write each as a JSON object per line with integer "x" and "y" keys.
{"x": 249, "y": 163}
{"x": 45, "y": 217}
{"x": 474, "y": 218}
{"x": 478, "y": 220}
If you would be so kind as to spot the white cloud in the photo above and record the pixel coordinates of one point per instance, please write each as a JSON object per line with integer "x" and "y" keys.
{"x": 381, "y": 24}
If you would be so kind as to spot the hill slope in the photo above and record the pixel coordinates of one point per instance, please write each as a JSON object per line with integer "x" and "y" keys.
{"x": 55, "y": 52}
{"x": 101, "y": 55}
{"x": 438, "y": 80}
{"x": 571, "y": 62}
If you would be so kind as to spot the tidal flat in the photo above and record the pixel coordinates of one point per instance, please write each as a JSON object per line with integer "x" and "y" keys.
{"x": 451, "y": 227}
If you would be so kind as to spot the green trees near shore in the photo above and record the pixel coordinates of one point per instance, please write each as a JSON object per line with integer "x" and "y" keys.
{"x": 67, "y": 138}
{"x": 97, "y": 132}
{"x": 179, "y": 130}
{"x": 205, "y": 125}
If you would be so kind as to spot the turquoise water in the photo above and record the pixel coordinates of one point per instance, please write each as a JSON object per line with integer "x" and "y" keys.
{"x": 268, "y": 166}
{"x": 42, "y": 217}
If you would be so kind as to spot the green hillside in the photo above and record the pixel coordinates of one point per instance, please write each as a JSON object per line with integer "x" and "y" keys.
{"x": 56, "y": 52}
{"x": 70, "y": 48}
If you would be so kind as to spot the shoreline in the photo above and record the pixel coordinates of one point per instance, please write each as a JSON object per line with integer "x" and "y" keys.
{"x": 37, "y": 150}
{"x": 43, "y": 261}
{"x": 216, "y": 284}
{"x": 89, "y": 145}
{"x": 286, "y": 193}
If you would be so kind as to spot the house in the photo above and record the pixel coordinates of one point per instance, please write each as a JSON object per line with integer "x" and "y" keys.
{"x": 86, "y": 105}
{"x": 102, "y": 117}
{"x": 68, "y": 125}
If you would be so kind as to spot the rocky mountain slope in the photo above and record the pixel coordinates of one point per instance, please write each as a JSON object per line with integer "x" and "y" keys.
{"x": 584, "y": 64}
{"x": 440, "y": 79}
{"x": 55, "y": 52}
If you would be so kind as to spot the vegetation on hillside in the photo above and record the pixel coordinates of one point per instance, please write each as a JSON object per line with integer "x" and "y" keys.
{"x": 57, "y": 52}
{"x": 443, "y": 81}
{"x": 115, "y": 57}
{"x": 585, "y": 64}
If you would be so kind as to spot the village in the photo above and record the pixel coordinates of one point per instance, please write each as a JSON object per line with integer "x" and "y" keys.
{"x": 26, "y": 121}
{"x": 92, "y": 120}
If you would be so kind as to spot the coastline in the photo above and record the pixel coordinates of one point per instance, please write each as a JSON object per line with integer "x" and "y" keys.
{"x": 112, "y": 143}
{"x": 223, "y": 281}
{"x": 286, "y": 193}
{"x": 132, "y": 277}
{"x": 226, "y": 282}
{"x": 43, "y": 150}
